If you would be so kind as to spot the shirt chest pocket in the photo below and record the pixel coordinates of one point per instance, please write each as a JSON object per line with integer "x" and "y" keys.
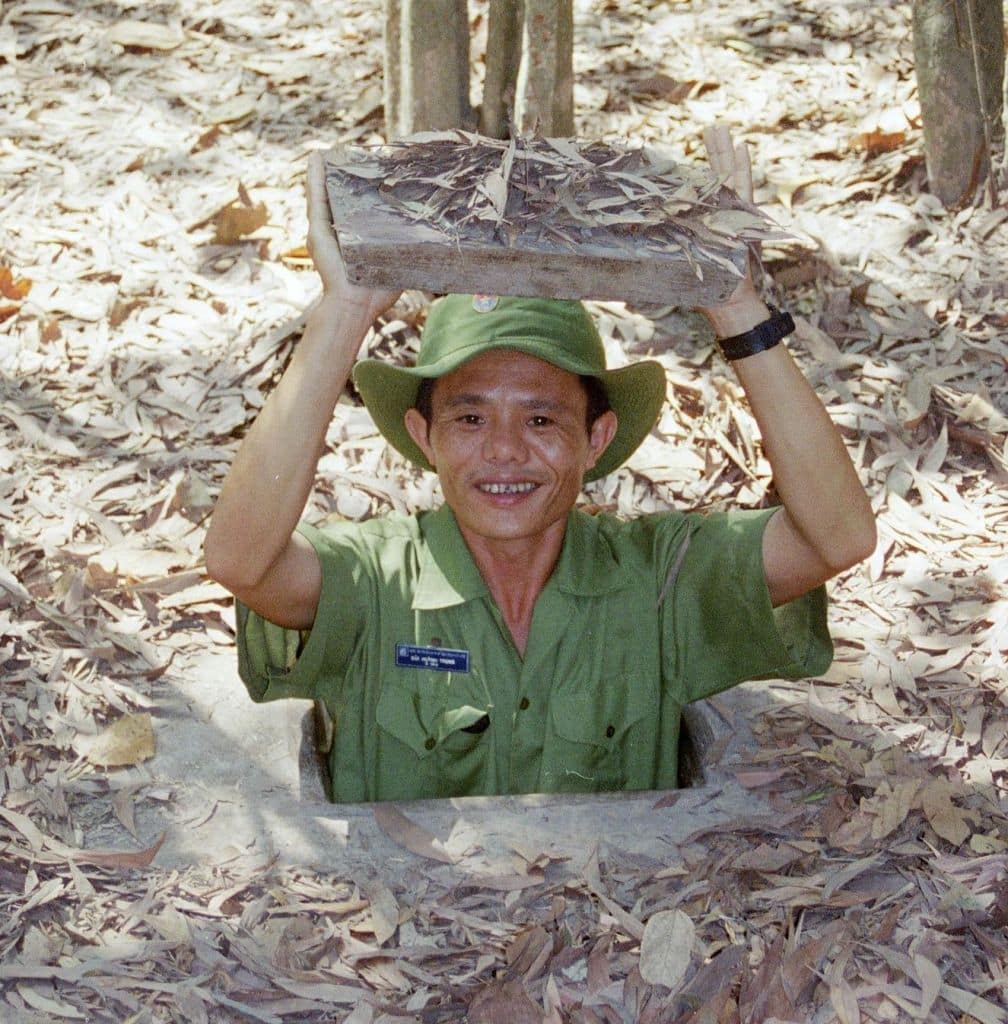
{"x": 436, "y": 734}
{"x": 592, "y": 735}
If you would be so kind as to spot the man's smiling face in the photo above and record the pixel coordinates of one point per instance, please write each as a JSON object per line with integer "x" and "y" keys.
{"x": 510, "y": 445}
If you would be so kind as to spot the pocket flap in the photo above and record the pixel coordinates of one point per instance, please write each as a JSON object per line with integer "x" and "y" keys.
{"x": 600, "y": 719}
{"x": 423, "y": 725}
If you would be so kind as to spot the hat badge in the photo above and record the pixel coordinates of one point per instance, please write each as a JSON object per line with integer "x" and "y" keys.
{"x": 485, "y": 303}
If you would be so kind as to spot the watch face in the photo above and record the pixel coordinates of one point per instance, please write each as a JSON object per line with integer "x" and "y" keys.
{"x": 485, "y": 303}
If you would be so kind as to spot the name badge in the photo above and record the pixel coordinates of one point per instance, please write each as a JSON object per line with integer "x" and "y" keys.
{"x": 440, "y": 659}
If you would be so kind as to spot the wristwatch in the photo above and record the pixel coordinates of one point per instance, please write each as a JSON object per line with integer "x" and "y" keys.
{"x": 759, "y": 338}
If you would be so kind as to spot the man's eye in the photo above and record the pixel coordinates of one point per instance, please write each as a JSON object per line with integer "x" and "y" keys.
{"x": 541, "y": 421}
{"x": 470, "y": 419}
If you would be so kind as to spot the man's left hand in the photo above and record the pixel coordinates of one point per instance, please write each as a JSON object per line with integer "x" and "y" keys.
{"x": 742, "y": 309}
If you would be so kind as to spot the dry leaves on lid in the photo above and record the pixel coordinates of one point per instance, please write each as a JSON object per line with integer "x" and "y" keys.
{"x": 557, "y": 190}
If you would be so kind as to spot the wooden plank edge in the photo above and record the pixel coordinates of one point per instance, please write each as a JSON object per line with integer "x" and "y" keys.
{"x": 498, "y": 271}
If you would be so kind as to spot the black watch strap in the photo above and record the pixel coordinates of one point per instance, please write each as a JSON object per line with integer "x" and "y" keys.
{"x": 759, "y": 338}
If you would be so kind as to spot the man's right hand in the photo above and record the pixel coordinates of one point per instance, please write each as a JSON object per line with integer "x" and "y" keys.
{"x": 363, "y": 304}
{"x": 251, "y": 546}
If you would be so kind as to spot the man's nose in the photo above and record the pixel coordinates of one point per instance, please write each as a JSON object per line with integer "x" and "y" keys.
{"x": 504, "y": 442}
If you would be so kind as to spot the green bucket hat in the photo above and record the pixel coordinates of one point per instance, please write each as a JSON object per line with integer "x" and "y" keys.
{"x": 460, "y": 327}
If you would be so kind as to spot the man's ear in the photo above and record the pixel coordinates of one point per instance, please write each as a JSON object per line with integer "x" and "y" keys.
{"x": 419, "y": 430}
{"x": 603, "y": 430}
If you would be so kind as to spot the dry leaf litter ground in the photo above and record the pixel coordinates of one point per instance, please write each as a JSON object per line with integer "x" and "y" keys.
{"x": 153, "y": 284}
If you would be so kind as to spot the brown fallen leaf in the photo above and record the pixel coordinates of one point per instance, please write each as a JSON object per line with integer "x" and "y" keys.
{"x": 122, "y": 804}
{"x": 237, "y": 220}
{"x": 528, "y": 952}
{"x": 14, "y": 289}
{"x": 508, "y": 1003}
{"x": 758, "y": 777}
{"x": 128, "y": 740}
{"x": 916, "y": 400}
{"x": 25, "y": 826}
{"x": 800, "y": 968}
{"x": 410, "y": 835}
{"x": 845, "y": 1002}
{"x": 948, "y": 820}
{"x": 767, "y": 858}
{"x": 508, "y": 883}
{"x": 974, "y": 1006}
{"x": 874, "y": 143}
{"x": 384, "y": 914}
{"x": 667, "y": 948}
{"x": 893, "y": 804}
{"x": 53, "y": 1008}
{"x": 299, "y": 254}
{"x": 116, "y": 858}
{"x": 237, "y": 108}
{"x": 761, "y": 995}
{"x": 664, "y": 87}
{"x": 207, "y": 139}
{"x": 146, "y": 35}
{"x": 113, "y": 566}
{"x": 11, "y": 287}
{"x": 930, "y": 979}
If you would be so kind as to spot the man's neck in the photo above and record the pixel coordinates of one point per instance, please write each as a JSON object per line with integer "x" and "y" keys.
{"x": 515, "y": 572}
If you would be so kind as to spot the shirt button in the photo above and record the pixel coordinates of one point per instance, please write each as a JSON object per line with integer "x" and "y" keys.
{"x": 431, "y": 743}
{"x": 610, "y": 732}
{"x": 523, "y": 704}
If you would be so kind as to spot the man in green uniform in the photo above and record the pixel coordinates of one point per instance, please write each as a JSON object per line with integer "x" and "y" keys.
{"x": 506, "y": 643}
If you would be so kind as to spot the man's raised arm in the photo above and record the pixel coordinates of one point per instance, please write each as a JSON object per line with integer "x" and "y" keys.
{"x": 251, "y": 546}
{"x": 826, "y": 524}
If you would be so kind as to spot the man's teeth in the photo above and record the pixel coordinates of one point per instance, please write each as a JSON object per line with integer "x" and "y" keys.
{"x": 507, "y": 488}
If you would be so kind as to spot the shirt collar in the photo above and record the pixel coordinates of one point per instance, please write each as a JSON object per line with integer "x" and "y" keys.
{"x": 588, "y": 565}
{"x": 448, "y": 574}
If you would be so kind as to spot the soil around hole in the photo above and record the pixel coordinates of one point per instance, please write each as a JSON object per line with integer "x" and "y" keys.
{"x": 237, "y": 781}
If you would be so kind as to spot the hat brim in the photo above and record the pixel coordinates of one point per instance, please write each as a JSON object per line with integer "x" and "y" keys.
{"x": 636, "y": 395}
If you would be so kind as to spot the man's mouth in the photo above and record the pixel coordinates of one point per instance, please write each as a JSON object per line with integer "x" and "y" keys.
{"x": 524, "y": 487}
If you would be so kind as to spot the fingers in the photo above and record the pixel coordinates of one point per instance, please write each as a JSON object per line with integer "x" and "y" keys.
{"x": 323, "y": 246}
{"x": 741, "y": 179}
{"x": 729, "y": 161}
{"x": 717, "y": 139}
{"x": 318, "y": 205}
{"x": 322, "y": 243}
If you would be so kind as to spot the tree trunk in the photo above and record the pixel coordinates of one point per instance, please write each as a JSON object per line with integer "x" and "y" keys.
{"x": 545, "y": 92}
{"x": 503, "y": 58}
{"x": 960, "y": 94}
{"x": 391, "y": 70}
{"x": 426, "y": 66}
{"x": 529, "y": 67}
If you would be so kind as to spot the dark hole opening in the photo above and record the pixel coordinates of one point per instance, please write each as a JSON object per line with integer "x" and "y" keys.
{"x": 695, "y": 737}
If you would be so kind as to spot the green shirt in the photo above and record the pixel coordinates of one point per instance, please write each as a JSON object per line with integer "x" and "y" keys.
{"x": 638, "y": 618}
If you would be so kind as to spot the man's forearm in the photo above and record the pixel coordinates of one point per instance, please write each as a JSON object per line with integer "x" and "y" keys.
{"x": 813, "y": 473}
{"x": 271, "y": 478}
